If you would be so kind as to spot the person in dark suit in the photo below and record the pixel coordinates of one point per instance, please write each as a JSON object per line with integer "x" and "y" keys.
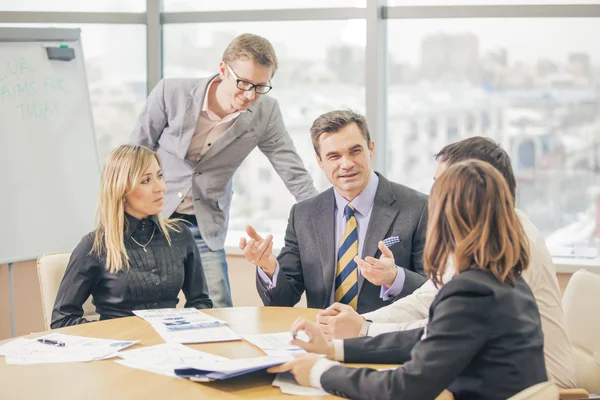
{"x": 484, "y": 338}
{"x": 359, "y": 243}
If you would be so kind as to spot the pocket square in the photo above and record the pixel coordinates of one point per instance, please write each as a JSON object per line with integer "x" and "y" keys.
{"x": 392, "y": 240}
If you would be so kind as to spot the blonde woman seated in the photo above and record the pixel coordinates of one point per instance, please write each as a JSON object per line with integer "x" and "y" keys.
{"x": 134, "y": 259}
{"x": 484, "y": 337}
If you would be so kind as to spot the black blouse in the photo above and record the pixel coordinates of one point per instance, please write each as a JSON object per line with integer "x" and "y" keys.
{"x": 153, "y": 279}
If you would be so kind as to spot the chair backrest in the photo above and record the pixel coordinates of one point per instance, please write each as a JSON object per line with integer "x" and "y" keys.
{"x": 51, "y": 269}
{"x": 581, "y": 303}
{"x": 541, "y": 391}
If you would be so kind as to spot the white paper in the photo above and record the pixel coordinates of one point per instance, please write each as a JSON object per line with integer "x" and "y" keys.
{"x": 160, "y": 314}
{"x": 288, "y": 385}
{"x": 13, "y": 344}
{"x": 205, "y": 335}
{"x": 162, "y": 319}
{"x": 276, "y": 343}
{"x": 165, "y": 358}
{"x": 76, "y": 349}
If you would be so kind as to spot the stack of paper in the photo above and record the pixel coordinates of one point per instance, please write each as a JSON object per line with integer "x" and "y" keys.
{"x": 61, "y": 348}
{"x": 288, "y": 385}
{"x": 277, "y": 344}
{"x": 165, "y": 358}
{"x": 206, "y": 371}
{"x": 187, "y": 325}
{"x": 173, "y": 359}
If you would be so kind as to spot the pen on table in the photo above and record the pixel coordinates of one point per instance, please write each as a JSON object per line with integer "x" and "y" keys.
{"x": 51, "y": 342}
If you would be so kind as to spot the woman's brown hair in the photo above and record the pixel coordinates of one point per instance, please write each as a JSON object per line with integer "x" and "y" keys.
{"x": 472, "y": 219}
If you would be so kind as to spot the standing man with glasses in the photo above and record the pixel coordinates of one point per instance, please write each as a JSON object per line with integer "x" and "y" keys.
{"x": 202, "y": 130}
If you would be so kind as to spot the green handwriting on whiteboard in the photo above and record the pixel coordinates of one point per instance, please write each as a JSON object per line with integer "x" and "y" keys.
{"x": 41, "y": 110}
{"x": 27, "y": 89}
{"x": 12, "y": 67}
{"x": 19, "y": 90}
{"x": 52, "y": 84}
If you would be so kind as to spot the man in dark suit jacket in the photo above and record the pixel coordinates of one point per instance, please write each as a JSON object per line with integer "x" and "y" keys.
{"x": 333, "y": 239}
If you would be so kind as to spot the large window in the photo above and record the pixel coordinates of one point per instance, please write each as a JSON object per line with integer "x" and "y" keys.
{"x": 533, "y": 85}
{"x": 483, "y": 2}
{"x": 74, "y": 5}
{"x": 530, "y": 82}
{"x": 116, "y": 73}
{"x": 222, "y": 5}
{"x": 321, "y": 69}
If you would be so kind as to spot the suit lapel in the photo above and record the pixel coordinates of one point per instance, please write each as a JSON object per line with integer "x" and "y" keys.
{"x": 235, "y": 131}
{"x": 324, "y": 233}
{"x": 382, "y": 218}
{"x": 193, "y": 106}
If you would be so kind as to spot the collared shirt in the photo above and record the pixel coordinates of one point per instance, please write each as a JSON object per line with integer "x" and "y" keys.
{"x": 209, "y": 129}
{"x": 363, "y": 205}
{"x": 152, "y": 280}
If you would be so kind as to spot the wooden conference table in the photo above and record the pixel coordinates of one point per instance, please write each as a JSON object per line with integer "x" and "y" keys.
{"x": 108, "y": 380}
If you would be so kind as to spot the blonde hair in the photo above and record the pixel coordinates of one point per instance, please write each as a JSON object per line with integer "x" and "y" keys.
{"x": 121, "y": 174}
{"x": 253, "y": 47}
{"x": 472, "y": 218}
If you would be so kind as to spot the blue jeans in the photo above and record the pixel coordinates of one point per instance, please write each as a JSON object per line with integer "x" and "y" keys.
{"x": 214, "y": 264}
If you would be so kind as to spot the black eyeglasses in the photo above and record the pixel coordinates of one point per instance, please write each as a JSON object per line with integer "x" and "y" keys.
{"x": 246, "y": 86}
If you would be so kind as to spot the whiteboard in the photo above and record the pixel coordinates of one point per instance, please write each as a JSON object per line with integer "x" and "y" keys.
{"x": 49, "y": 167}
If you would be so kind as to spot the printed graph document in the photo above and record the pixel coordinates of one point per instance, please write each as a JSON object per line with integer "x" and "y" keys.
{"x": 165, "y": 358}
{"x": 288, "y": 385}
{"x": 277, "y": 344}
{"x": 61, "y": 348}
{"x": 187, "y": 325}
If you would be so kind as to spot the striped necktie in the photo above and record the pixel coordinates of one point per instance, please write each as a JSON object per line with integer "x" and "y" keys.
{"x": 346, "y": 277}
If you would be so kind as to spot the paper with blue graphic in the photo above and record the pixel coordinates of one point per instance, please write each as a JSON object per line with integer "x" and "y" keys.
{"x": 61, "y": 348}
{"x": 187, "y": 325}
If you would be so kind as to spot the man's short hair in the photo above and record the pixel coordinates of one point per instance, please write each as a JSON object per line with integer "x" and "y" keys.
{"x": 484, "y": 149}
{"x": 253, "y": 47}
{"x": 333, "y": 121}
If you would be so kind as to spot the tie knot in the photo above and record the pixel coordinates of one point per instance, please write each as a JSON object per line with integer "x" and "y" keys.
{"x": 349, "y": 211}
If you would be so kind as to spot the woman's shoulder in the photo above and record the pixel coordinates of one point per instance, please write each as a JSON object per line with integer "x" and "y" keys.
{"x": 472, "y": 293}
{"x": 86, "y": 243}
{"x": 84, "y": 250}
{"x": 472, "y": 283}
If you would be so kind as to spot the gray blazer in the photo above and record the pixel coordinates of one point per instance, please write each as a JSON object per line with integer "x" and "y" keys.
{"x": 484, "y": 341}
{"x": 307, "y": 261}
{"x": 167, "y": 124}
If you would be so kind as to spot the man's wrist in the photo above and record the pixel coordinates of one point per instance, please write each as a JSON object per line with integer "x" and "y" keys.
{"x": 364, "y": 329}
{"x": 330, "y": 351}
{"x": 269, "y": 270}
{"x": 391, "y": 281}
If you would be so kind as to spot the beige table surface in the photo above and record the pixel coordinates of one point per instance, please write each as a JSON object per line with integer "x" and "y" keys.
{"x": 108, "y": 380}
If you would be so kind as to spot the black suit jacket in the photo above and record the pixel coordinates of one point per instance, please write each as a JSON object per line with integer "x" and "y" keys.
{"x": 484, "y": 341}
{"x": 307, "y": 261}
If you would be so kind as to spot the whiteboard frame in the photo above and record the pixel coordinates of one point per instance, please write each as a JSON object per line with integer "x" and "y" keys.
{"x": 41, "y": 35}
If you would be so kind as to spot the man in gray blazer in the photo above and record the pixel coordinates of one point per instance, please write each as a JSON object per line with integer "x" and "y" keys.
{"x": 333, "y": 240}
{"x": 202, "y": 130}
